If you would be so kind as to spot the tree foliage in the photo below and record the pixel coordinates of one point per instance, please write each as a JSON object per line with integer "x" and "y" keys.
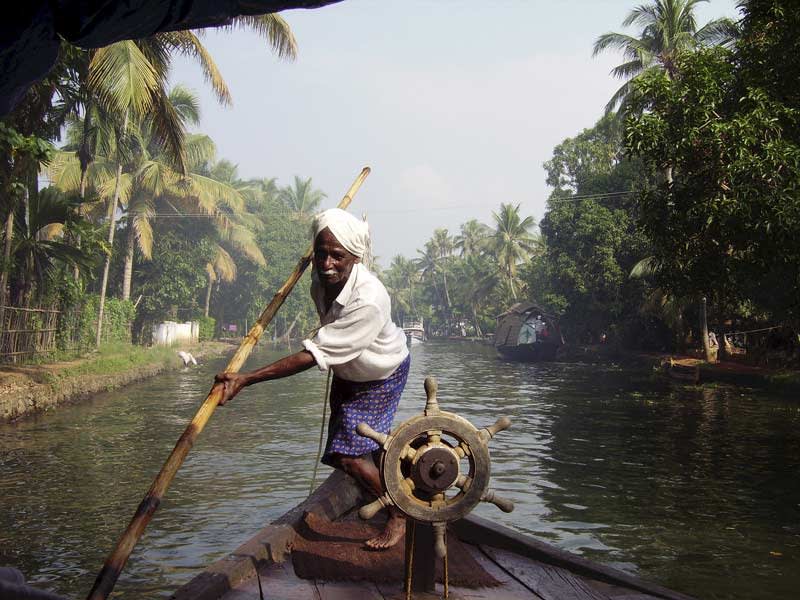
{"x": 668, "y": 31}
{"x": 591, "y": 239}
{"x": 727, "y": 226}
{"x": 173, "y": 281}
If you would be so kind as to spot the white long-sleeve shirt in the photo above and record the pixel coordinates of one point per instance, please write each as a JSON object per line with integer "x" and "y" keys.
{"x": 358, "y": 339}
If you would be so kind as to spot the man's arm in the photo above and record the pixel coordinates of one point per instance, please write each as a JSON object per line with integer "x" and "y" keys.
{"x": 289, "y": 365}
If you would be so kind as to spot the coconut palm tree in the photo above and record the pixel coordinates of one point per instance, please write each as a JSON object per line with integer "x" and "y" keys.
{"x": 153, "y": 175}
{"x": 398, "y": 292}
{"x": 472, "y": 239}
{"x": 130, "y": 85}
{"x": 443, "y": 245}
{"x": 428, "y": 267}
{"x": 403, "y": 276}
{"x": 271, "y": 27}
{"x": 434, "y": 264}
{"x": 223, "y": 268}
{"x": 475, "y": 280}
{"x": 150, "y": 185}
{"x": 301, "y": 198}
{"x": 147, "y": 62}
{"x": 38, "y": 245}
{"x": 512, "y": 242}
{"x": 104, "y": 89}
{"x": 668, "y": 29}
{"x": 159, "y": 190}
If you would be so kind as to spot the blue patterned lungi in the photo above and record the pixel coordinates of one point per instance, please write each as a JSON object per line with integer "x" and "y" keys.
{"x": 370, "y": 402}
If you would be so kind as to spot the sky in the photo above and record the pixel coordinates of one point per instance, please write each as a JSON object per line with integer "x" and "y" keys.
{"x": 454, "y": 104}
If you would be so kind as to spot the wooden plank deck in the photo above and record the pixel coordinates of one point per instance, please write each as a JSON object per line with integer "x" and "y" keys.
{"x": 526, "y": 568}
{"x": 521, "y": 578}
{"x": 547, "y": 581}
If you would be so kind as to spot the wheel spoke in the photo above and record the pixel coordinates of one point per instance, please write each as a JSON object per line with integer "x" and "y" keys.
{"x": 463, "y": 482}
{"x": 408, "y": 454}
{"x": 434, "y": 436}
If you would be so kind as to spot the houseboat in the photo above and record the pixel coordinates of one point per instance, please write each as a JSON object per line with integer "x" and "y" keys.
{"x": 526, "y": 333}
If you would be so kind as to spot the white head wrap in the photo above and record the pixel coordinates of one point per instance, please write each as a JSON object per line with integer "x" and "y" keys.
{"x": 352, "y": 233}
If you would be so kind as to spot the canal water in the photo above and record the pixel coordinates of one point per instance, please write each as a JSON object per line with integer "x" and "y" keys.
{"x": 695, "y": 488}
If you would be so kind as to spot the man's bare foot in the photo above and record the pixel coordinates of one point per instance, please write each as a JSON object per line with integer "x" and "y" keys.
{"x": 393, "y": 532}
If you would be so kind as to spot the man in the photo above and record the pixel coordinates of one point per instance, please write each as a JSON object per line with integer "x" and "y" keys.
{"x": 359, "y": 341}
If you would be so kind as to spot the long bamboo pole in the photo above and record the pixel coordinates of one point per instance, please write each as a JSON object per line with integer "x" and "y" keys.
{"x": 115, "y": 562}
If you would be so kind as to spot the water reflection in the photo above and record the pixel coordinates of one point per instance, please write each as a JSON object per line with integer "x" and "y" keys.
{"x": 696, "y": 488}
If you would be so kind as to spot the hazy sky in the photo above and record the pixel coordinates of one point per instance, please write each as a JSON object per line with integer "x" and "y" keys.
{"x": 454, "y": 104}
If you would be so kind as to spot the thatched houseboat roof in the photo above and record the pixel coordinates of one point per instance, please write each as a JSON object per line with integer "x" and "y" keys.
{"x": 510, "y": 322}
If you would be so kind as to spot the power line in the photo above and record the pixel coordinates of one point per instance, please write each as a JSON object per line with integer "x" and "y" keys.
{"x": 598, "y": 196}
{"x": 579, "y": 197}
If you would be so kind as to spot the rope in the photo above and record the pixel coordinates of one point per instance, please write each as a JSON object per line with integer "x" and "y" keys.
{"x": 446, "y": 576}
{"x": 258, "y": 578}
{"x": 321, "y": 431}
{"x": 410, "y": 559}
{"x": 755, "y": 330}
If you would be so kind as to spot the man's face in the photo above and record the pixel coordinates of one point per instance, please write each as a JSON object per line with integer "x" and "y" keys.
{"x": 331, "y": 260}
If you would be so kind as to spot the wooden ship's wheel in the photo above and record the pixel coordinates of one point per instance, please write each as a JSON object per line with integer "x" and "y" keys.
{"x": 434, "y": 468}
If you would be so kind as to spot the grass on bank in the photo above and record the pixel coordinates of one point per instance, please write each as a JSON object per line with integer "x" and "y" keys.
{"x": 118, "y": 357}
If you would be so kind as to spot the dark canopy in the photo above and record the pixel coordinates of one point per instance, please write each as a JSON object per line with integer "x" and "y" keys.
{"x": 30, "y": 29}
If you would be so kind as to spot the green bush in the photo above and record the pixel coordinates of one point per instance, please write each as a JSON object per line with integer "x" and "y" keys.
{"x": 207, "y": 325}
{"x": 117, "y": 318}
{"x": 78, "y": 326}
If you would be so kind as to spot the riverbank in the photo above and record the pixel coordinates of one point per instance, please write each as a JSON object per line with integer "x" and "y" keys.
{"x": 690, "y": 368}
{"x": 30, "y": 389}
{"x": 700, "y": 371}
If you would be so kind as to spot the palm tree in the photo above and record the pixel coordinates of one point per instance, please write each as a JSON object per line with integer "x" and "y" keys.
{"x": 475, "y": 280}
{"x": 147, "y": 60}
{"x": 271, "y": 27}
{"x": 260, "y": 194}
{"x": 302, "y": 199}
{"x": 159, "y": 190}
{"x": 38, "y": 245}
{"x": 428, "y": 266}
{"x": 668, "y": 29}
{"x": 472, "y": 239}
{"x": 403, "y": 276}
{"x": 129, "y": 77}
{"x": 444, "y": 246}
{"x": 398, "y": 292}
{"x": 150, "y": 185}
{"x": 223, "y": 268}
{"x": 153, "y": 175}
{"x": 512, "y": 242}
{"x": 130, "y": 86}
{"x": 433, "y": 265}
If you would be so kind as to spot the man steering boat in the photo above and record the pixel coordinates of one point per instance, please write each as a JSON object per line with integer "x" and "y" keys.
{"x": 358, "y": 341}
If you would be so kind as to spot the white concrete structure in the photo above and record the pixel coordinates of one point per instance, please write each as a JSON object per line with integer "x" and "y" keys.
{"x": 170, "y": 333}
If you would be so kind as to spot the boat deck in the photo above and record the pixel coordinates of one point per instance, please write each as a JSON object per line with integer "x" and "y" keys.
{"x": 521, "y": 579}
{"x": 523, "y": 567}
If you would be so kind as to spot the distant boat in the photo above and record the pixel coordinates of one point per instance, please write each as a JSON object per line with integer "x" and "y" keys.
{"x": 526, "y": 333}
{"x": 682, "y": 369}
{"x": 415, "y": 332}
